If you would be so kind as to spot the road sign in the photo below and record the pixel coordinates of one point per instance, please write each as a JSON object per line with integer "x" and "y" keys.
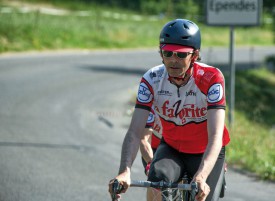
{"x": 233, "y": 12}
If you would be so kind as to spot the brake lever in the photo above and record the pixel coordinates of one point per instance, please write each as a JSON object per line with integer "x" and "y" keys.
{"x": 194, "y": 190}
{"x": 116, "y": 188}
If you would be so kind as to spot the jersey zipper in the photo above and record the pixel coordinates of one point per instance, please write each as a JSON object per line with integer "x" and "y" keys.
{"x": 178, "y": 92}
{"x": 178, "y": 87}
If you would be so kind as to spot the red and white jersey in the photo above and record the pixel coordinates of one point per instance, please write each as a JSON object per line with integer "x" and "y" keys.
{"x": 154, "y": 122}
{"x": 182, "y": 110}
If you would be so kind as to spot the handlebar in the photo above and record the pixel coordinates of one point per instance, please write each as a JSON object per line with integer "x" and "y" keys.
{"x": 192, "y": 187}
{"x": 163, "y": 185}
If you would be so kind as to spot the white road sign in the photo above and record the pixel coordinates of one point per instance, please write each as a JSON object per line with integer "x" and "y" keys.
{"x": 233, "y": 12}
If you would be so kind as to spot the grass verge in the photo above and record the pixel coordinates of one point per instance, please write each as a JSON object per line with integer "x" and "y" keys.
{"x": 253, "y": 136}
{"x": 97, "y": 27}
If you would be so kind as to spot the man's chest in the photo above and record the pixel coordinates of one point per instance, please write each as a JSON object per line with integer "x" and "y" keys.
{"x": 180, "y": 105}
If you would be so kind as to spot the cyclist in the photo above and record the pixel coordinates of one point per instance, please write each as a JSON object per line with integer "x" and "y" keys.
{"x": 189, "y": 98}
{"x": 148, "y": 145}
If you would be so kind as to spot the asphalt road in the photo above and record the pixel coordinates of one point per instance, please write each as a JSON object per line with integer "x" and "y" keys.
{"x": 63, "y": 116}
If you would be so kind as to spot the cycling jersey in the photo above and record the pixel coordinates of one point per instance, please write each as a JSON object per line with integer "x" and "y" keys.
{"x": 182, "y": 109}
{"x": 153, "y": 122}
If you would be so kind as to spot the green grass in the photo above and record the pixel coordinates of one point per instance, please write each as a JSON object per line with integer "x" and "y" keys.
{"x": 252, "y": 36}
{"x": 253, "y": 136}
{"x": 101, "y": 29}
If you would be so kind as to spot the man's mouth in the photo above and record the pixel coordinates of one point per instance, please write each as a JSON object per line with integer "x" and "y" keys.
{"x": 174, "y": 67}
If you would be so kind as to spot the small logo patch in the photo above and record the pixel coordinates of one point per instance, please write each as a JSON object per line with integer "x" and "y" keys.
{"x": 191, "y": 93}
{"x": 164, "y": 93}
{"x": 151, "y": 118}
{"x": 215, "y": 93}
{"x": 144, "y": 94}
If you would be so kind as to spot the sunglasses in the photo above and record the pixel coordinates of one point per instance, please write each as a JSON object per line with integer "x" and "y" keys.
{"x": 181, "y": 55}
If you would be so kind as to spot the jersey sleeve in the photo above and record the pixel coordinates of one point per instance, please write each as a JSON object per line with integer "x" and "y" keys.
{"x": 216, "y": 91}
{"x": 145, "y": 94}
{"x": 211, "y": 82}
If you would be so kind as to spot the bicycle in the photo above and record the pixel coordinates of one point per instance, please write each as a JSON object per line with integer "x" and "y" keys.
{"x": 169, "y": 191}
{"x": 182, "y": 191}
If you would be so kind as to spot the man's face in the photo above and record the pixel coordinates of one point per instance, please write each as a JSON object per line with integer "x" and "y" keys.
{"x": 176, "y": 66}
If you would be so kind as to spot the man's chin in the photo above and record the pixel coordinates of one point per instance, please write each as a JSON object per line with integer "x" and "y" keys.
{"x": 176, "y": 75}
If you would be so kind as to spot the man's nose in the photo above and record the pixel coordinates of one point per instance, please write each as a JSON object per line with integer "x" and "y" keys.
{"x": 175, "y": 56}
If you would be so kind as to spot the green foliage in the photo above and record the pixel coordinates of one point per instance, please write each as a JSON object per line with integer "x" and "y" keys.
{"x": 253, "y": 137}
{"x": 255, "y": 95}
{"x": 172, "y": 8}
{"x": 103, "y": 28}
{"x": 36, "y": 31}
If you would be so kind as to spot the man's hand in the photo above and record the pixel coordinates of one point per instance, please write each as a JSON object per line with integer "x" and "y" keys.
{"x": 124, "y": 180}
{"x": 204, "y": 189}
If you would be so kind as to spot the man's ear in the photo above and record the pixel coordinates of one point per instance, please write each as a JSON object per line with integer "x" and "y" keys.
{"x": 196, "y": 55}
{"x": 160, "y": 53}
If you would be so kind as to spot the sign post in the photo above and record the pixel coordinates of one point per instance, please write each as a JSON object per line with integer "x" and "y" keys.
{"x": 233, "y": 13}
{"x": 232, "y": 78}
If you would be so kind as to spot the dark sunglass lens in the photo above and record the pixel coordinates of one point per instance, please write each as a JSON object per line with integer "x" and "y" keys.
{"x": 182, "y": 55}
{"x": 167, "y": 53}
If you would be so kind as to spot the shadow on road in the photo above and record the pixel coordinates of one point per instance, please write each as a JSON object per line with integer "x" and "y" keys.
{"x": 115, "y": 69}
{"x": 224, "y": 67}
{"x": 45, "y": 145}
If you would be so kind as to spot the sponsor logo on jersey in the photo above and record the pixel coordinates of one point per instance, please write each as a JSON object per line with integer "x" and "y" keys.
{"x": 151, "y": 118}
{"x": 144, "y": 94}
{"x": 200, "y": 72}
{"x": 152, "y": 75}
{"x": 184, "y": 112}
{"x": 158, "y": 73}
{"x": 215, "y": 93}
{"x": 165, "y": 93}
{"x": 190, "y": 93}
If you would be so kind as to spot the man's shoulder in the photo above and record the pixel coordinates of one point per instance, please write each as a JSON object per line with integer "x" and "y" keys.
{"x": 206, "y": 76}
{"x": 206, "y": 68}
{"x": 156, "y": 72}
{"x": 204, "y": 71}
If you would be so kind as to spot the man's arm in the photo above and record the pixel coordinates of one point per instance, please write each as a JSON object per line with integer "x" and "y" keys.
{"x": 132, "y": 139}
{"x": 145, "y": 145}
{"x": 215, "y": 127}
{"x": 130, "y": 148}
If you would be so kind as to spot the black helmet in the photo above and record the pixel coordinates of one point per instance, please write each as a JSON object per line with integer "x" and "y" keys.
{"x": 181, "y": 32}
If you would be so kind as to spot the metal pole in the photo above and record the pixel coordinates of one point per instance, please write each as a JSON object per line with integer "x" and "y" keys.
{"x": 232, "y": 79}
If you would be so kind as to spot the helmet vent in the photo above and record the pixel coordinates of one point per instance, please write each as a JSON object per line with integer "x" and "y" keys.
{"x": 185, "y": 37}
{"x": 172, "y": 24}
{"x": 185, "y": 26}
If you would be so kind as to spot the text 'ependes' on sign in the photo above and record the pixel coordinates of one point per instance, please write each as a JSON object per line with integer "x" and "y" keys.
{"x": 233, "y": 12}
